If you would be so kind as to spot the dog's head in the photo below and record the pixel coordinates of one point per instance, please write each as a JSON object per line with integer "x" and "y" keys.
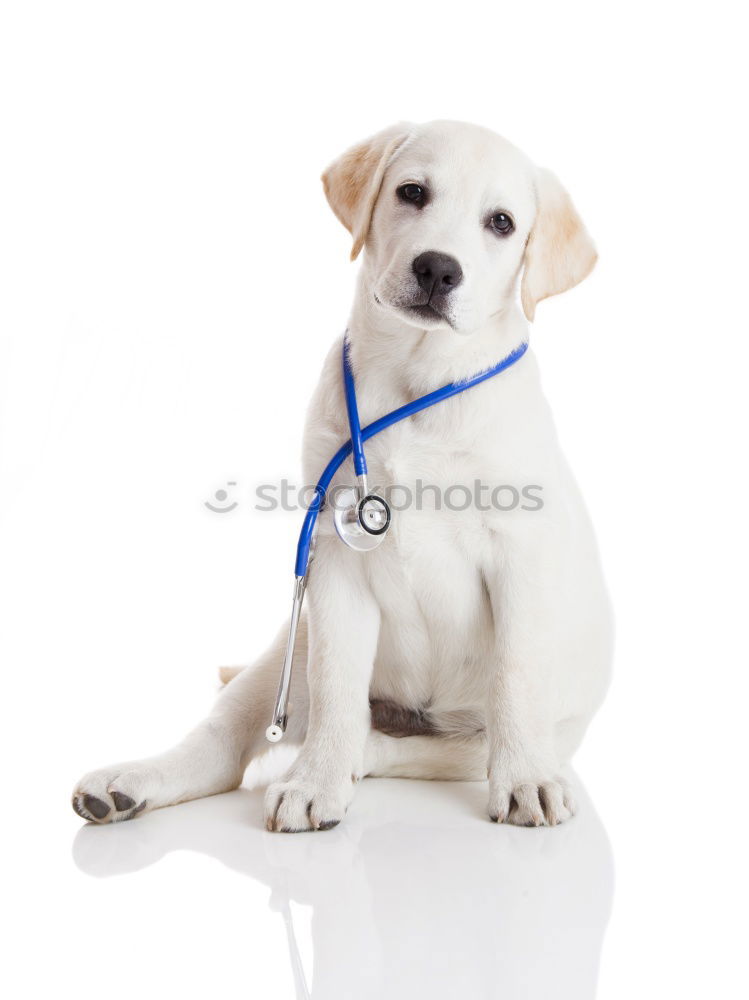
{"x": 449, "y": 214}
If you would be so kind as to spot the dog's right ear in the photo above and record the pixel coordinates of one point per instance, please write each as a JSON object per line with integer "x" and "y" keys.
{"x": 352, "y": 183}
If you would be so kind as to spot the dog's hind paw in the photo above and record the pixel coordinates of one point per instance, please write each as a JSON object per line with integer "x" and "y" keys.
{"x": 111, "y": 795}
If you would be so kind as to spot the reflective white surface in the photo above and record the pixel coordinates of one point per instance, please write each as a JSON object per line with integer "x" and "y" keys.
{"x": 416, "y": 894}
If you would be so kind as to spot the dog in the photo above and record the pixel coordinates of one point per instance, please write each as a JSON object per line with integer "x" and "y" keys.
{"x": 473, "y": 643}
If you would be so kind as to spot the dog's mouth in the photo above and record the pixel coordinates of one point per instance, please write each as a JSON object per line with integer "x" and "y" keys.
{"x": 425, "y": 310}
{"x": 428, "y": 311}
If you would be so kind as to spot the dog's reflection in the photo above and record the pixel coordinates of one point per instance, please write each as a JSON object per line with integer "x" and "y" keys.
{"x": 414, "y": 895}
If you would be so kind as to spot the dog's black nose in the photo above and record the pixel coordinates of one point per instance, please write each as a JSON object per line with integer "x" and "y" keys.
{"x": 437, "y": 273}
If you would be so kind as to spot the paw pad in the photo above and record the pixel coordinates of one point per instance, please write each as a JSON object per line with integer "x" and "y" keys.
{"x": 122, "y": 802}
{"x": 97, "y": 808}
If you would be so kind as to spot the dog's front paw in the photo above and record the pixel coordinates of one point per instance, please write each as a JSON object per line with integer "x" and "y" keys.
{"x": 112, "y": 794}
{"x": 302, "y": 803}
{"x": 542, "y": 803}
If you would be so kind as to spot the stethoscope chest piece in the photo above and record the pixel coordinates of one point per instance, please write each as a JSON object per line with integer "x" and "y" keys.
{"x": 361, "y": 523}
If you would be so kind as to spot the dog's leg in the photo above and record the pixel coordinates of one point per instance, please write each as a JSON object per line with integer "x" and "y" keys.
{"x": 213, "y": 757}
{"x": 525, "y": 785}
{"x": 343, "y": 628}
{"x": 438, "y": 758}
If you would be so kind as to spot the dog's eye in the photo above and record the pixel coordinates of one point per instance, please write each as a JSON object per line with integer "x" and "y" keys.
{"x": 502, "y": 223}
{"x": 413, "y": 193}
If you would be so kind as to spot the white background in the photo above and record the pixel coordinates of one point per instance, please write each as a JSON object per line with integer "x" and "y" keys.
{"x": 171, "y": 278}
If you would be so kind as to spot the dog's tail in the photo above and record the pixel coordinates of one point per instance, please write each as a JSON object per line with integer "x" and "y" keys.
{"x": 227, "y": 674}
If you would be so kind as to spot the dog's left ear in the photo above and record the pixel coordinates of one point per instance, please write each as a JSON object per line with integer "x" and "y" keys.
{"x": 559, "y": 252}
{"x": 352, "y": 183}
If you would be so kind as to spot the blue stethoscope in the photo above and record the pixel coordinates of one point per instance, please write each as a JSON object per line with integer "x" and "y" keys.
{"x": 362, "y": 519}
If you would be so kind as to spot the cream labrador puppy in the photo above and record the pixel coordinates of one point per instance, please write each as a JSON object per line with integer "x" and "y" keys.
{"x": 472, "y": 642}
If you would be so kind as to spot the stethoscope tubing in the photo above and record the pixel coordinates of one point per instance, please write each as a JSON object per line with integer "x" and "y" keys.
{"x": 365, "y": 433}
{"x": 357, "y": 441}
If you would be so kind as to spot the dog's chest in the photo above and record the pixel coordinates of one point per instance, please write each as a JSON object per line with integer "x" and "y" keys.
{"x": 428, "y": 576}
{"x": 434, "y": 477}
